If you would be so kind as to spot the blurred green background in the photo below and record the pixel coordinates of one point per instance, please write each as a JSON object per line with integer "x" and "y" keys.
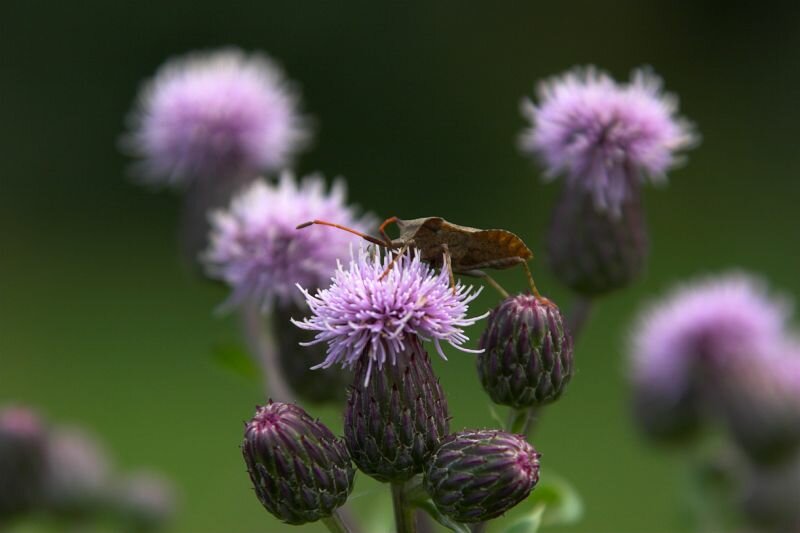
{"x": 417, "y": 106}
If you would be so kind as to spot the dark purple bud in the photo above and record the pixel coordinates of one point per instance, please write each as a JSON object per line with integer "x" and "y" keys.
{"x": 477, "y": 475}
{"x": 301, "y": 471}
{"x": 527, "y": 359}
{"x": 323, "y": 385}
{"x": 22, "y": 452}
{"x": 596, "y": 251}
{"x": 394, "y": 422}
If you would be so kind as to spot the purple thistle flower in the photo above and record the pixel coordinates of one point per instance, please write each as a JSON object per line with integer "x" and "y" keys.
{"x": 362, "y": 315}
{"x": 214, "y": 115}
{"x": 699, "y": 327}
{"x": 602, "y": 134}
{"x": 257, "y": 250}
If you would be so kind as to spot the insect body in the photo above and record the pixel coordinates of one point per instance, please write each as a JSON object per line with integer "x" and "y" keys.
{"x": 460, "y": 249}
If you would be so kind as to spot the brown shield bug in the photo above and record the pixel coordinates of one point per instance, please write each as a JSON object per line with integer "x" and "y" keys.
{"x": 460, "y": 249}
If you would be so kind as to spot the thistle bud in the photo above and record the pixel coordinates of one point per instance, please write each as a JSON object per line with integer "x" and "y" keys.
{"x": 527, "y": 359}
{"x": 300, "y": 470}
{"x": 596, "y": 251}
{"x": 322, "y": 385}
{"x": 477, "y": 475}
{"x": 22, "y": 443}
{"x": 396, "y": 418}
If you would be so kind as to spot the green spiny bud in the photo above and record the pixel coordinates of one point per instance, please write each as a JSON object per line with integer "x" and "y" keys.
{"x": 594, "y": 251}
{"x": 476, "y": 475}
{"x": 396, "y": 417}
{"x": 300, "y": 470}
{"x": 527, "y": 359}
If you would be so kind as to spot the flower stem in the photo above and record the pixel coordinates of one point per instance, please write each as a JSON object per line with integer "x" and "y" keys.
{"x": 403, "y": 513}
{"x": 335, "y": 524}
{"x": 262, "y": 347}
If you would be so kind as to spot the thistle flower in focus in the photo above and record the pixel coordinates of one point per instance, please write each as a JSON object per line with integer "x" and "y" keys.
{"x": 370, "y": 318}
{"x": 215, "y": 114}
{"x": 679, "y": 341}
{"x": 604, "y": 135}
{"x": 22, "y": 450}
{"x": 395, "y": 421}
{"x": 300, "y": 470}
{"x": 477, "y": 475}
{"x": 527, "y": 359}
{"x": 256, "y": 249}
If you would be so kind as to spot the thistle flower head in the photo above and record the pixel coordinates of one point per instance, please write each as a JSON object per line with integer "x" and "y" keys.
{"x": 373, "y": 307}
{"x": 477, "y": 475}
{"x": 300, "y": 470}
{"x": 528, "y": 352}
{"x": 256, "y": 248}
{"x": 213, "y": 115}
{"x": 700, "y": 327}
{"x": 600, "y": 133}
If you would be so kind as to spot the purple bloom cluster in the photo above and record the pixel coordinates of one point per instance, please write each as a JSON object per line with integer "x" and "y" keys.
{"x": 213, "y": 115}
{"x": 257, "y": 250}
{"x": 365, "y": 313}
{"x": 709, "y": 321}
{"x": 602, "y": 134}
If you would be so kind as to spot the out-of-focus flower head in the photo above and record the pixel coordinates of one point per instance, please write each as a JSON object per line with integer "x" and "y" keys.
{"x": 145, "y": 500}
{"x": 601, "y": 133}
{"x": 702, "y": 326}
{"x": 256, "y": 248}
{"x": 78, "y": 472}
{"x": 366, "y": 314}
{"x": 214, "y": 115}
{"x": 23, "y": 437}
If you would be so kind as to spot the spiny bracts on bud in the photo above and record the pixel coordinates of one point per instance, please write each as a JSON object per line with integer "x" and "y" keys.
{"x": 476, "y": 475}
{"x": 324, "y": 385}
{"x": 394, "y": 421}
{"x": 301, "y": 471}
{"x": 527, "y": 358}
{"x": 593, "y": 251}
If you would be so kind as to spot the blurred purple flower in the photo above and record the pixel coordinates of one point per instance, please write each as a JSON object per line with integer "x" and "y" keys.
{"x": 601, "y": 134}
{"x": 708, "y": 321}
{"x": 214, "y": 115}
{"x": 256, "y": 249}
{"x": 362, "y": 315}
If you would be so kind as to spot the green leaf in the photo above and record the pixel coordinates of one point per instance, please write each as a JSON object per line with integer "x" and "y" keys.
{"x": 234, "y": 358}
{"x": 562, "y": 503}
{"x": 529, "y": 523}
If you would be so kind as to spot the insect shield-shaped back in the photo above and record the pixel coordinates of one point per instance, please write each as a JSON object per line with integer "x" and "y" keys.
{"x": 394, "y": 422}
{"x": 300, "y": 470}
{"x": 469, "y": 248}
{"x": 527, "y": 359}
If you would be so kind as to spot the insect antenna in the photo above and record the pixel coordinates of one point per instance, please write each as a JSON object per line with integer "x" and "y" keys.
{"x": 364, "y": 236}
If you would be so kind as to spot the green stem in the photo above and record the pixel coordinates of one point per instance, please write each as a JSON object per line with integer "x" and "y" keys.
{"x": 258, "y": 334}
{"x": 335, "y": 524}
{"x": 403, "y": 513}
{"x": 578, "y": 315}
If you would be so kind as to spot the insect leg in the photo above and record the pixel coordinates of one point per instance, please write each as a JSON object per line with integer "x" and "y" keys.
{"x": 368, "y": 238}
{"x": 382, "y": 230}
{"x": 448, "y": 264}
{"x": 528, "y": 273}
{"x": 394, "y": 259}
{"x": 486, "y": 277}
